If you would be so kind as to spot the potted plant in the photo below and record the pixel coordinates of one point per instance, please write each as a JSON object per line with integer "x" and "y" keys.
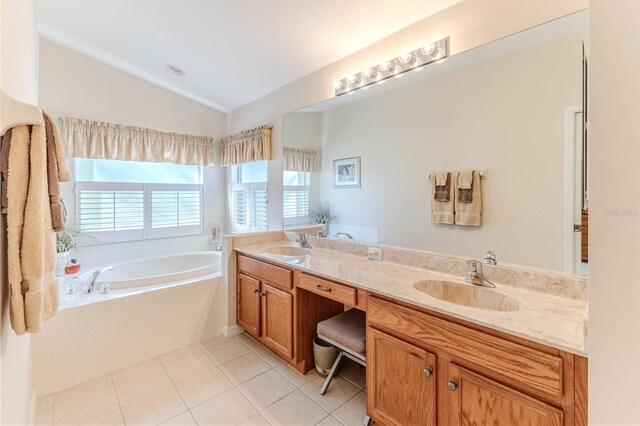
{"x": 66, "y": 240}
{"x": 322, "y": 214}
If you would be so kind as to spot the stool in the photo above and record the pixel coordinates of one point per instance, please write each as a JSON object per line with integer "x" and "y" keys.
{"x": 347, "y": 333}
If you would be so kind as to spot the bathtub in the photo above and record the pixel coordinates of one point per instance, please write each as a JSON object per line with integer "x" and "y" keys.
{"x": 155, "y": 305}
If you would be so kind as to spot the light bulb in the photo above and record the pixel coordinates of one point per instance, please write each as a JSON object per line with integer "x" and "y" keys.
{"x": 439, "y": 53}
{"x": 385, "y": 66}
{"x": 415, "y": 62}
{"x": 351, "y": 78}
{"x": 340, "y": 84}
{"x": 405, "y": 58}
{"x": 367, "y": 72}
{"x": 428, "y": 49}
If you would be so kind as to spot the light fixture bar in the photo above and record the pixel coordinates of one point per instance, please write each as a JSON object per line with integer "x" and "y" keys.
{"x": 430, "y": 52}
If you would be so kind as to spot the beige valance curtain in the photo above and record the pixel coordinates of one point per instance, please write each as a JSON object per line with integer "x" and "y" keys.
{"x": 301, "y": 160}
{"x": 247, "y": 146}
{"x": 99, "y": 140}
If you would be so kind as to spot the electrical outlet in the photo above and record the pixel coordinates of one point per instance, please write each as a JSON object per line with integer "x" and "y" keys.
{"x": 374, "y": 253}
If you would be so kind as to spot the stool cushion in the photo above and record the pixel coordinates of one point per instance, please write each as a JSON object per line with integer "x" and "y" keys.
{"x": 349, "y": 329}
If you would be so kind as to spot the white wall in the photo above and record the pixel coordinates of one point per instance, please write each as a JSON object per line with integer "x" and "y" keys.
{"x": 614, "y": 216}
{"x": 505, "y": 115}
{"x": 72, "y": 84}
{"x": 18, "y": 78}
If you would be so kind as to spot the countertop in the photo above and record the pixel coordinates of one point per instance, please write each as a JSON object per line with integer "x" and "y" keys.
{"x": 548, "y": 319}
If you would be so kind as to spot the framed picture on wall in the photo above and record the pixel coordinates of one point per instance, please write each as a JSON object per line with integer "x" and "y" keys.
{"x": 346, "y": 173}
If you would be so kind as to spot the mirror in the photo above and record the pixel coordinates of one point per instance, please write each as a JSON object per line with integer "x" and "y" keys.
{"x": 511, "y": 109}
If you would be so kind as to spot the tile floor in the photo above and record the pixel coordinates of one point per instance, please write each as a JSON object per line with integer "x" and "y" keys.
{"x": 217, "y": 382}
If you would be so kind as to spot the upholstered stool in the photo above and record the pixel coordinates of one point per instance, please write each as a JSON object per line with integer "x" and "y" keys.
{"x": 347, "y": 332}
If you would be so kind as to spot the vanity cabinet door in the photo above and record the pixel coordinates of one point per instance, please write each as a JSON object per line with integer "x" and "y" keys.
{"x": 477, "y": 400}
{"x": 277, "y": 320}
{"x": 401, "y": 381}
{"x": 248, "y": 297}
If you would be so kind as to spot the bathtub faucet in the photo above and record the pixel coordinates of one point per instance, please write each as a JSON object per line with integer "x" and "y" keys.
{"x": 89, "y": 288}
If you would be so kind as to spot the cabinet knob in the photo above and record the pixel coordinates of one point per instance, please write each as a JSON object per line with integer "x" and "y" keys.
{"x": 262, "y": 293}
{"x": 255, "y": 290}
{"x": 453, "y": 385}
{"x": 427, "y": 371}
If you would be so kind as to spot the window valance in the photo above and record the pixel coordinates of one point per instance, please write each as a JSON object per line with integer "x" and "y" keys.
{"x": 246, "y": 146}
{"x": 99, "y": 140}
{"x": 301, "y": 160}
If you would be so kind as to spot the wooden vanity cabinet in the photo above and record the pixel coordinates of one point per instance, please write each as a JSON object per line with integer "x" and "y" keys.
{"x": 249, "y": 297}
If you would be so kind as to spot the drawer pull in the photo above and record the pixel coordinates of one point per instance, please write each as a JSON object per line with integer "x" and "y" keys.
{"x": 427, "y": 371}
{"x": 453, "y": 385}
{"x": 319, "y": 287}
{"x": 255, "y": 290}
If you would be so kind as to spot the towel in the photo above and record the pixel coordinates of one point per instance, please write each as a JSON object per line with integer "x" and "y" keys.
{"x": 63, "y": 173}
{"x": 58, "y": 211}
{"x": 465, "y": 184}
{"x": 4, "y": 170}
{"x": 443, "y": 211}
{"x": 469, "y": 212}
{"x": 442, "y": 191}
{"x": 31, "y": 252}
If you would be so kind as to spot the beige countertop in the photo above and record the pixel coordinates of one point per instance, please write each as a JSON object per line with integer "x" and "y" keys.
{"x": 549, "y": 319}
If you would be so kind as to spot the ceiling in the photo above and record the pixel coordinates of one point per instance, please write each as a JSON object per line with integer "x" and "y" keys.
{"x": 231, "y": 51}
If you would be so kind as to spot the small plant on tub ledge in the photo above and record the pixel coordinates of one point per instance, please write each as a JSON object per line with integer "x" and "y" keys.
{"x": 67, "y": 240}
{"x": 322, "y": 214}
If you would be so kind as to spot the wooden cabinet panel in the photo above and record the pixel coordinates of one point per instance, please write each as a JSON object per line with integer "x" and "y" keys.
{"x": 277, "y": 320}
{"x": 248, "y": 308}
{"x": 399, "y": 391}
{"x": 477, "y": 400}
{"x": 329, "y": 289}
{"x": 274, "y": 275}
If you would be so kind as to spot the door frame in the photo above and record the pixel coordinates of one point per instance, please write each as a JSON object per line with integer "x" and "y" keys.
{"x": 570, "y": 121}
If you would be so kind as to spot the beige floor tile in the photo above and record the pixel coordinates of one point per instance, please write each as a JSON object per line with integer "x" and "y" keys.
{"x": 266, "y": 388}
{"x": 154, "y": 409}
{"x": 184, "y": 419}
{"x": 256, "y": 420}
{"x": 229, "y": 408}
{"x": 94, "y": 403}
{"x": 81, "y": 389}
{"x": 44, "y": 401}
{"x": 204, "y": 386}
{"x": 295, "y": 409}
{"x": 354, "y": 411}
{"x": 268, "y": 356}
{"x": 180, "y": 353}
{"x": 339, "y": 392}
{"x": 249, "y": 341}
{"x": 244, "y": 368}
{"x": 215, "y": 341}
{"x": 112, "y": 418}
{"x": 331, "y": 421}
{"x": 135, "y": 369}
{"x": 295, "y": 377}
{"x": 227, "y": 351}
{"x": 188, "y": 366}
{"x": 142, "y": 384}
{"x": 354, "y": 372}
{"x": 44, "y": 416}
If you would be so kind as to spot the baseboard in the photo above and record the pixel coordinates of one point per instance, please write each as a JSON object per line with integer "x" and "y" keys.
{"x": 32, "y": 407}
{"x": 231, "y": 331}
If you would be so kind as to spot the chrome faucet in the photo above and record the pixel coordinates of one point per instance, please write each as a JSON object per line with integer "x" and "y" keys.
{"x": 475, "y": 275}
{"x": 89, "y": 288}
{"x": 345, "y": 234}
{"x": 302, "y": 240}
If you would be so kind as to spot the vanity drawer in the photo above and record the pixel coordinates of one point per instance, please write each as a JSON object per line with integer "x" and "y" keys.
{"x": 329, "y": 289}
{"x": 275, "y": 275}
{"x": 538, "y": 372}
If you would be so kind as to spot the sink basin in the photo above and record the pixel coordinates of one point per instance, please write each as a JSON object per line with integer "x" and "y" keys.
{"x": 288, "y": 251}
{"x": 469, "y": 295}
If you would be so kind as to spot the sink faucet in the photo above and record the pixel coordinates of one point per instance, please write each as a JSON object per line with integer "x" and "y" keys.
{"x": 302, "y": 240}
{"x": 345, "y": 234}
{"x": 476, "y": 277}
{"x": 89, "y": 288}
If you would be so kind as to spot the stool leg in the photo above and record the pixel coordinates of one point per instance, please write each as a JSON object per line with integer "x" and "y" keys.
{"x": 367, "y": 421}
{"x": 333, "y": 372}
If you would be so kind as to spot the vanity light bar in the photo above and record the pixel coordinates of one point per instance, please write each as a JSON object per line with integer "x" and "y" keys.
{"x": 430, "y": 52}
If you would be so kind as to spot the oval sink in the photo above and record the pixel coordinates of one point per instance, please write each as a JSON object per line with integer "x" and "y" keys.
{"x": 287, "y": 251}
{"x": 469, "y": 295}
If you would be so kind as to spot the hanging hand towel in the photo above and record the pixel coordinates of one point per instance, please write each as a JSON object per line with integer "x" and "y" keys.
{"x": 442, "y": 211}
{"x": 468, "y": 199}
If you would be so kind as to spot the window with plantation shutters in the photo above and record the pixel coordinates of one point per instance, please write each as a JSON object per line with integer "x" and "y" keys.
{"x": 112, "y": 210}
{"x": 295, "y": 197}
{"x": 249, "y": 197}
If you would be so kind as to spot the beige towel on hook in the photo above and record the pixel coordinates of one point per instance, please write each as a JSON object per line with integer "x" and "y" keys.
{"x": 443, "y": 211}
{"x": 58, "y": 210}
{"x": 468, "y": 201}
{"x": 31, "y": 249}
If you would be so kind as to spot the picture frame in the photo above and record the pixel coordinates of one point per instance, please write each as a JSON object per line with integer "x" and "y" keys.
{"x": 346, "y": 173}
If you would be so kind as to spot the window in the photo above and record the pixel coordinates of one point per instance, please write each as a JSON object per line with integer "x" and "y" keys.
{"x": 127, "y": 200}
{"x": 296, "y": 192}
{"x": 249, "y": 197}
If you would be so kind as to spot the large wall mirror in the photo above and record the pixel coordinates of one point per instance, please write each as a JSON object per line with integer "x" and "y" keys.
{"x": 512, "y": 108}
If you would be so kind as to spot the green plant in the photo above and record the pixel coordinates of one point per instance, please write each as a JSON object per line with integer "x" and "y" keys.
{"x": 322, "y": 214}
{"x": 69, "y": 238}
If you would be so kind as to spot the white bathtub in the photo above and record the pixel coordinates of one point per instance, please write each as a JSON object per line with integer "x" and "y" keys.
{"x": 155, "y": 305}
